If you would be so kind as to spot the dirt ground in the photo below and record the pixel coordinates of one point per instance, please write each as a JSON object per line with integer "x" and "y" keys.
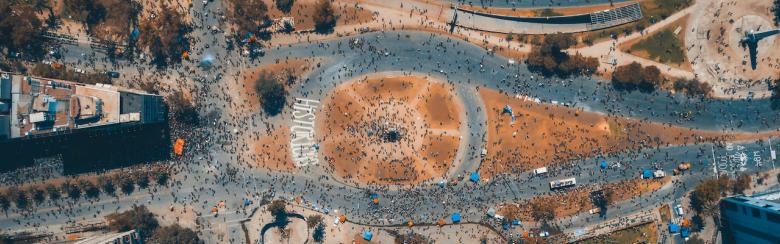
{"x": 272, "y": 151}
{"x": 359, "y": 119}
{"x": 535, "y": 12}
{"x": 577, "y": 201}
{"x": 546, "y": 134}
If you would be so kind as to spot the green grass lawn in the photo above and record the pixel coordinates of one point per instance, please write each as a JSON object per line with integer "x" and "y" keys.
{"x": 652, "y": 12}
{"x": 663, "y": 46}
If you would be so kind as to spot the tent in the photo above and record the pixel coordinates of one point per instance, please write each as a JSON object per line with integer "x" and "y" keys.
{"x": 474, "y": 176}
{"x": 603, "y": 164}
{"x": 134, "y": 34}
{"x": 508, "y": 110}
{"x": 455, "y": 217}
{"x": 325, "y": 210}
{"x": 684, "y": 232}
{"x": 647, "y": 174}
{"x": 673, "y": 228}
{"x": 515, "y": 222}
{"x": 440, "y": 222}
{"x": 410, "y": 223}
{"x": 342, "y": 218}
{"x": 442, "y": 183}
{"x": 491, "y": 212}
{"x": 178, "y": 147}
{"x": 367, "y": 235}
{"x": 247, "y": 202}
{"x": 376, "y": 201}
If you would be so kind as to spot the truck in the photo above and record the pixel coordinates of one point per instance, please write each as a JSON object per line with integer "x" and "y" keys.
{"x": 557, "y": 184}
{"x": 539, "y": 171}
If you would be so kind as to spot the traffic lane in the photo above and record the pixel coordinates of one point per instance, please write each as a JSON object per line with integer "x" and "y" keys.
{"x": 534, "y": 3}
{"x": 583, "y": 92}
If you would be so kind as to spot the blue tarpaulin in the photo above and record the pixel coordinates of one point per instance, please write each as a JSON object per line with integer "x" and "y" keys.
{"x": 367, "y": 235}
{"x": 603, "y": 164}
{"x": 674, "y": 228}
{"x": 455, "y": 217}
{"x": 474, "y": 177}
{"x": 247, "y": 202}
{"x": 647, "y": 174}
{"x": 134, "y": 34}
{"x": 508, "y": 110}
{"x": 515, "y": 222}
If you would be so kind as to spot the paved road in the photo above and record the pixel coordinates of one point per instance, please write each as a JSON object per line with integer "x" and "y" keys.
{"x": 457, "y": 61}
{"x": 534, "y": 3}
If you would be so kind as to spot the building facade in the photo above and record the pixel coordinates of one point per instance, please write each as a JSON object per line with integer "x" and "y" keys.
{"x": 751, "y": 219}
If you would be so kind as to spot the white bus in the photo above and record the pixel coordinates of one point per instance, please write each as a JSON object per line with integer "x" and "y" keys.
{"x": 541, "y": 170}
{"x": 557, "y": 184}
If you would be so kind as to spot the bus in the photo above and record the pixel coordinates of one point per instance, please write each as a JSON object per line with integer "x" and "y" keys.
{"x": 557, "y": 184}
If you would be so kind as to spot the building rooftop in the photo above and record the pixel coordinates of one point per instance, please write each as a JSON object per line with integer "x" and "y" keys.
{"x": 768, "y": 200}
{"x": 36, "y": 106}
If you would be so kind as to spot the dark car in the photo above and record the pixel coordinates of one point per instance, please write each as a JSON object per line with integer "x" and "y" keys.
{"x": 112, "y": 74}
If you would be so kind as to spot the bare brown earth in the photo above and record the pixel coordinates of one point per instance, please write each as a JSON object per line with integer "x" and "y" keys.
{"x": 358, "y": 113}
{"x": 272, "y": 151}
{"x": 577, "y": 201}
{"x": 546, "y": 134}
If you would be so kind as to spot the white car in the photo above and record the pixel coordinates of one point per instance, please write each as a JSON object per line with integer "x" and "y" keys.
{"x": 679, "y": 210}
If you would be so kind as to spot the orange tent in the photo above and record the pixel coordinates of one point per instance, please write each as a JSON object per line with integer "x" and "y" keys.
{"x": 685, "y": 222}
{"x": 441, "y": 222}
{"x": 376, "y": 200}
{"x": 342, "y": 218}
{"x": 525, "y": 234}
{"x": 214, "y": 210}
{"x": 56, "y": 65}
{"x": 410, "y": 223}
{"x": 178, "y": 147}
{"x": 185, "y": 55}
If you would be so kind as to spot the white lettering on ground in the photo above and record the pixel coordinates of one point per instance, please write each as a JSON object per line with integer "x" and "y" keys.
{"x": 302, "y": 143}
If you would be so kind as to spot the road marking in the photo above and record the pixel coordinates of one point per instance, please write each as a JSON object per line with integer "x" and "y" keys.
{"x": 714, "y": 161}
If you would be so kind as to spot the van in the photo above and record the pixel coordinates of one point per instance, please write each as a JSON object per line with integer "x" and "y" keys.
{"x": 539, "y": 171}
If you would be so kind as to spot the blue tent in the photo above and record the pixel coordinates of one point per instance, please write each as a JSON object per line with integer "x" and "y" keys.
{"x": 508, "y": 110}
{"x": 673, "y": 228}
{"x": 474, "y": 177}
{"x": 505, "y": 226}
{"x": 134, "y": 34}
{"x": 374, "y": 196}
{"x": 455, "y": 217}
{"x": 684, "y": 232}
{"x": 367, "y": 235}
{"x": 604, "y": 164}
{"x": 515, "y": 222}
{"x": 247, "y": 202}
{"x": 442, "y": 183}
{"x": 647, "y": 174}
{"x": 325, "y": 210}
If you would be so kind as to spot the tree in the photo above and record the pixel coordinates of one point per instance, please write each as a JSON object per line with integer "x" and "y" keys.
{"x": 549, "y": 58}
{"x": 74, "y": 192}
{"x": 126, "y": 185}
{"x": 707, "y": 193}
{"x": 5, "y": 204}
{"x": 20, "y": 27}
{"x": 161, "y": 177}
{"x": 652, "y": 75}
{"x": 633, "y": 76}
{"x": 53, "y": 192}
{"x": 107, "y": 184}
{"x": 249, "y": 15}
{"x": 742, "y": 183}
{"x": 285, "y": 5}
{"x": 89, "y": 188}
{"x": 138, "y": 218}
{"x": 175, "y": 234}
{"x": 278, "y": 210}
{"x": 319, "y": 233}
{"x": 324, "y": 17}
{"x": 142, "y": 179}
{"x": 271, "y": 93}
{"x": 313, "y": 220}
{"x": 19, "y": 197}
{"x": 165, "y": 36}
{"x": 38, "y": 195}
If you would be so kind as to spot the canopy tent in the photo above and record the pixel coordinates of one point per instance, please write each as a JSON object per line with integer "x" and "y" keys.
{"x": 684, "y": 232}
{"x": 508, "y": 110}
{"x": 491, "y": 212}
{"x": 440, "y": 222}
{"x": 442, "y": 183}
{"x": 474, "y": 176}
{"x": 603, "y": 164}
{"x": 673, "y": 228}
{"x": 134, "y": 34}
{"x": 647, "y": 174}
{"x": 342, "y": 218}
{"x": 367, "y": 235}
{"x": 247, "y": 202}
{"x": 455, "y": 217}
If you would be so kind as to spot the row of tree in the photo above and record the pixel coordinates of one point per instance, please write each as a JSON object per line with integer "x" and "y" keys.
{"x": 20, "y": 28}
{"x": 278, "y": 210}
{"x": 251, "y": 16}
{"x": 550, "y": 59}
{"x": 706, "y": 194}
{"x": 140, "y": 219}
{"x": 23, "y": 198}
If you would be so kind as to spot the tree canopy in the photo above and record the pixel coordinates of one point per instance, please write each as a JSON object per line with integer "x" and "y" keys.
{"x": 20, "y": 27}
{"x": 550, "y": 59}
{"x": 324, "y": 17}
{"x": 138, "y": 218}
{"x": 175, "y": 234}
